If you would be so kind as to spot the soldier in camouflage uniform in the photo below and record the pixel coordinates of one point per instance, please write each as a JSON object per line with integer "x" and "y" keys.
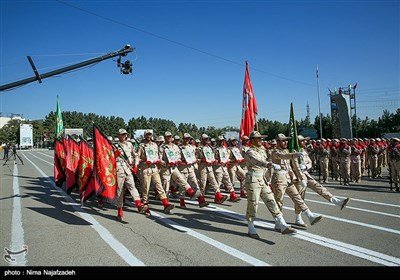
{"x": 170, "y": 155}
{"x": 305, "y": 180}
{"x": 126, "y": 162}
{"x": 187, "y": 166}
{"x": 257, "y": 187}
{"x": 283, "y": 178}
{"x": 205, "y": 157}
{"x": 148, "y": 166}
{"x": 394, "y": 161}
{"x": 221, "y": 169}
{"x": 234, "y": 168}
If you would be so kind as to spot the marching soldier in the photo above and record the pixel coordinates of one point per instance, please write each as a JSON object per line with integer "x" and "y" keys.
{"x": 234, "y": 168}
{"x": 323, "y": 158}
{"x": 170, "y": 159}
{"x": 373, "y": 151}
{"x": 334, "y": 158}
{"x": 301, "y": 172}
{"x": 126, "y": 162}
{"x": 206, "y": 159}
{"x": 148, "y": 161}
{"x": 355, "y": 160}
{"x": 344, "y": 161}
{"x": 394, "y": 161}
{"x": 257, "y": 187}
{"x": 188, "y": 165}
{"x": 221, "y": 169}
{"x": 282, "y": 181}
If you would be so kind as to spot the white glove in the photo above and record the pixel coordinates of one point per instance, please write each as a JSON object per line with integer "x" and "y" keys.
{"x": 276, "y": 167}
{"x": 303, "y": 167}
{"x": 303, "y": 186}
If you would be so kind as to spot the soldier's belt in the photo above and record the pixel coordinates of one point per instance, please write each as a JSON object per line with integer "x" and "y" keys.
{"x": 281, "y": 172}
{"x": 255, "y": 173}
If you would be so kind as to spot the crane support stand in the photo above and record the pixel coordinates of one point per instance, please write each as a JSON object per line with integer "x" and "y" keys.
{"x": 15, "y": 155}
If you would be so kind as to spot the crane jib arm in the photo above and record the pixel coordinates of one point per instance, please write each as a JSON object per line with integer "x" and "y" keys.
{"x": 124, "y": 51}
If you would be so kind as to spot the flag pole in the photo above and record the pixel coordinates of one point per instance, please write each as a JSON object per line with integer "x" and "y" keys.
{"x": 319, "y": 107}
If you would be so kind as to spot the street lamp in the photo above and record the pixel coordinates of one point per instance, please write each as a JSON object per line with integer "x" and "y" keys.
{"x": 41, "y": 136}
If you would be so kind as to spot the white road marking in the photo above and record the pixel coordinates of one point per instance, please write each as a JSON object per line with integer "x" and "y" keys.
{"x": 117, "y": 246}
{"x": 17, "y": 230}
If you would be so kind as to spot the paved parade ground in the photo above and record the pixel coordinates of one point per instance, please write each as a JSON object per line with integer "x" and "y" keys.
{"x": 41, "y": 225}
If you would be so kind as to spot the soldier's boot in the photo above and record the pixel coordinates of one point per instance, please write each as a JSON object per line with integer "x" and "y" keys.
{"x": 182, "y": 203}
{"x": 281, "y": 224}
{"x": 219, "y": 198}
{"x": 140, "y": 207}
{"x": 193, "y": 194}
{"x": 233, "y": 197}
{"x": 120, "y": 214}
{"x": 173, "y": 191}
{"x": 100, "y": 203}
{"x": 146, "y": 210}
{"x": 243, "y": 194}
{"x": 252, "y": 230}
{"x": 202, "y": 201}
{"x": 312, "y": 217}
{"x": 167, "y": 206}
{"x": 397, "y": 187}
{"x": 340, "y": 202}
{"x": 299, "y": 221}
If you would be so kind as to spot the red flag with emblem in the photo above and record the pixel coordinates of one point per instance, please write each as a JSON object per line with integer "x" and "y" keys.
{"x": 72, "y": 161}
{"x": 59, "y": 162}
{"x": 104, "y": 171}
{"x": 249, "y": 106}
{"x": 85, "y": 169}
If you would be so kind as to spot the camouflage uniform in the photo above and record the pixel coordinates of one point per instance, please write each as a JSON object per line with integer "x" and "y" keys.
{"x": 149, "y": 172}
{"x": 257, "y": 187}
{"x": 126, "y": 161}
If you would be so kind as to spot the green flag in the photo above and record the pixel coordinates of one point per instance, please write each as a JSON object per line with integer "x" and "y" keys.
{"x": 59, "y": 121}
{"x": 293, "y": 144}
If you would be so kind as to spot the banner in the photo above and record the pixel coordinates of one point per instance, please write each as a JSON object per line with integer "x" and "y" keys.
{"x": 26, "y": 135}
{"x": 72, "y": 161}
{"x": 105, "y": 172}
{"x": 249, "y": 106}
{"x": 59, "y": 162}
{"x": 85, "y": 169}
{"x": 293, "y": 144}
{"x": 59, "y": 121}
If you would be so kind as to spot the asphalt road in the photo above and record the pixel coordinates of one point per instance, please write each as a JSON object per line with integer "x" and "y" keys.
{"x": 43, "y": 226}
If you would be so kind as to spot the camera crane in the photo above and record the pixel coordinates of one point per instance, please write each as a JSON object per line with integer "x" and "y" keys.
{"x": 126, "y": 68}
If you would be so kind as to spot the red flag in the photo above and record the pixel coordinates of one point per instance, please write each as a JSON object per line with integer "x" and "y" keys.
{"x": 72, "y": 161}
{"x": 59, "y": 162}
{"x": 105, "y": 171}
{"x": 249, "y": 106}
{"x": 85, "y": 169}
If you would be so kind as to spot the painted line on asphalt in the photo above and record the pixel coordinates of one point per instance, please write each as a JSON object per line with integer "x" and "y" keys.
{"x": 346, "y": 248}
{"x": 221, "y": 246}
{"x": 17, "y": 230}
{"x": 117, "y": 246}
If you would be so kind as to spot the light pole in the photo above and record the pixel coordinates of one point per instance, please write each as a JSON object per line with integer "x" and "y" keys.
{"x": 319, "y": 108}
{"x": 41, "y": 135}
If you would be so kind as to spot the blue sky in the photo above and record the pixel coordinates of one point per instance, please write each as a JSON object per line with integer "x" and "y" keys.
{"x": 189, "y": 58}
